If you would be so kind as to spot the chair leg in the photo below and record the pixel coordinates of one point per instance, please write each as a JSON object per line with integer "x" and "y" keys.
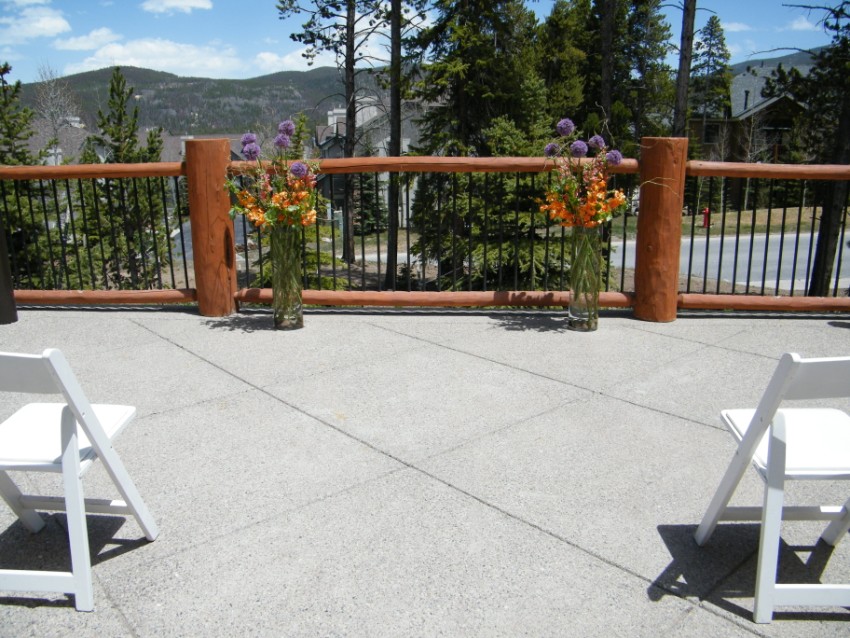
{"x": 11, "y": 494}
{"x": 771, "y": 523}
{"x": 720, "y": 500}
{"x": 75, "y": 510}
{"x": 837, "y": 528}
{"x": 121, "y": 478}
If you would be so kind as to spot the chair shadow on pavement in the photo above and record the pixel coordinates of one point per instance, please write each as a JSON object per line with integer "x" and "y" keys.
{"x": 49, "y": 550}
{"x": 724, "y": 569}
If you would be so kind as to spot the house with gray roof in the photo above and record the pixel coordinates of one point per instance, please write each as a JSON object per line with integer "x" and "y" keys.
{"x": 755, "y": 128}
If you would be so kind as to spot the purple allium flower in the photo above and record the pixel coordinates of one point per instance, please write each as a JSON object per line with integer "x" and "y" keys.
{"x": 251, "y": 151}
{"x": 282, "y": 140}
{"x": 551, "y": 150}
{"x": 299, "y": 170}
{"x": 565, "y": 127}
{"x": 578, "y": 149}
{"x": 614, "y": 157}
{"x": 287, "y": 127}
{"x": 249, "y": 138}
{"x": 596, "y": 142}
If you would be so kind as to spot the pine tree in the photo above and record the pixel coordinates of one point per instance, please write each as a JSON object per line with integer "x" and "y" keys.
{"x": 604, "y": 66}
{"x": 15, "y": 123}
{"x": 119, "y": 127}
{"x": 650, "y": 87}
{"x": 123, "y": 220}
{"x": 476, "y": 52}
{"x": 486, "y": 99}
{"x": 20, "y": 204}
{"x": 711, "y": 75}
{"x": 563, "y": 42}
{"x": 369, "y": 207}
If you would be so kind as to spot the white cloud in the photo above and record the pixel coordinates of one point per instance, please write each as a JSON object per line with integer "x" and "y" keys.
{"x": 745, "y": 49}
{"x": 735, "y": 27}
{"x": 32, "y": 22}
{"x": 27, "y": 3}
{"x": 801, "y": 24}
{"x": 164, "y": 55}
{"x": 94, "y": 40}
{"x": 171, "y": 6}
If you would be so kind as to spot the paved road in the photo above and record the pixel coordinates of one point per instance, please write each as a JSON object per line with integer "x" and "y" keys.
{"x": 770, "y": 257}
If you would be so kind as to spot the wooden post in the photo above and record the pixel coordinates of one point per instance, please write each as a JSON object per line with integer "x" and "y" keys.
{"x": 212, "y": 228}
{"x": 8, "y": 309}
{"x": 659, "y": 229}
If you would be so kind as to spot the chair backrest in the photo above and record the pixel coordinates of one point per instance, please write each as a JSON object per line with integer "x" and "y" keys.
{"x": 797, "y": 379}
{"x": 47, "y": 373}
{"x": 827, "y": 378}
{"x": 26, "y": 373}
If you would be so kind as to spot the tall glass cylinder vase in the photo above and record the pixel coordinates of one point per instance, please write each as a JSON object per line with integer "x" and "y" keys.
{"x": 286, "y": 277}
{"x": 585, "y": 278}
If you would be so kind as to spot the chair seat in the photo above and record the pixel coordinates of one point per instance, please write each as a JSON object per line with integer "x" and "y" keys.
{"x": 31, "y": 439}
{"x": 818, "y": 440}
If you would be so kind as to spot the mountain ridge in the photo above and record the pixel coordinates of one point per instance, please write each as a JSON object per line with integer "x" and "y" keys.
{"x": 203, "y": 106}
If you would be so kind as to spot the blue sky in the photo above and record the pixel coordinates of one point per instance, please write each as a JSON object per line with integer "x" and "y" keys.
{"x": 246, "y": 38}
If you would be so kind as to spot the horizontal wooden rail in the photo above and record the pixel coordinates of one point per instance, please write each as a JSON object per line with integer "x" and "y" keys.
{"x": 94, "y": 171}
{"x": 769, "y": 171}
{"x": 426, "y": 164}
{"x": 448, "y": 299}
{"x": 104, "y": 297}
{"x": 764, "y": 303}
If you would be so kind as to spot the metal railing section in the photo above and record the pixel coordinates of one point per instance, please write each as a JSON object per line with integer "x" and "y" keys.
{"x": 96, "y": 230}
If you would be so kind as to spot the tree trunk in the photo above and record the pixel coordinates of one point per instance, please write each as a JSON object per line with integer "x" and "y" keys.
{"x": 832, "y": 211}
{"x": 395, "y": 143}
{"x": 686, "y": 46}
{"x": 606, "y": 67}
{"x": 350, "y": 132}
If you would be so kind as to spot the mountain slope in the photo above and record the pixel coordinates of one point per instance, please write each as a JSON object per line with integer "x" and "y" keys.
{"x": 197, "y": 106}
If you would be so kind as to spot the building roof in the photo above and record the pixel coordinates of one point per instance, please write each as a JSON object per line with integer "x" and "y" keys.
{"x": 749, "y": 79}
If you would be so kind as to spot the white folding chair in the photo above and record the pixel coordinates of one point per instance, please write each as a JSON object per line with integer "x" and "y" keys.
{"x": 62, "y": 438}
{"x": 809, "y": 443}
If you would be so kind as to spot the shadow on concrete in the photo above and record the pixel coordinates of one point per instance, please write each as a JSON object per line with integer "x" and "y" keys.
{"x": 49, "y": 550}
{"x": 725, "y": 568}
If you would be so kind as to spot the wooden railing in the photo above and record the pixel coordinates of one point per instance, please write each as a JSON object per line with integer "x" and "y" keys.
{"x": 656, "y": 297}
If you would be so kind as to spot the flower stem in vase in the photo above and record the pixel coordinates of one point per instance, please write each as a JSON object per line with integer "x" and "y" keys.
{"x": 286, "y": 277}
{"x": 585, "y": 278}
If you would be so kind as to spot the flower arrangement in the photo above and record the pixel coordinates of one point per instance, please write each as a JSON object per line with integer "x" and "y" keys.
{"x": 580, "y": 195}
{"x": 580, "y": 199}
{"x": 280, "y": 193}
{"x": 279, "y": 198}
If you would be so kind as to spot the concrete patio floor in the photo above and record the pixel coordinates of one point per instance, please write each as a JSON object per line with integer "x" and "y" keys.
{"x": 421, "y": 474}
